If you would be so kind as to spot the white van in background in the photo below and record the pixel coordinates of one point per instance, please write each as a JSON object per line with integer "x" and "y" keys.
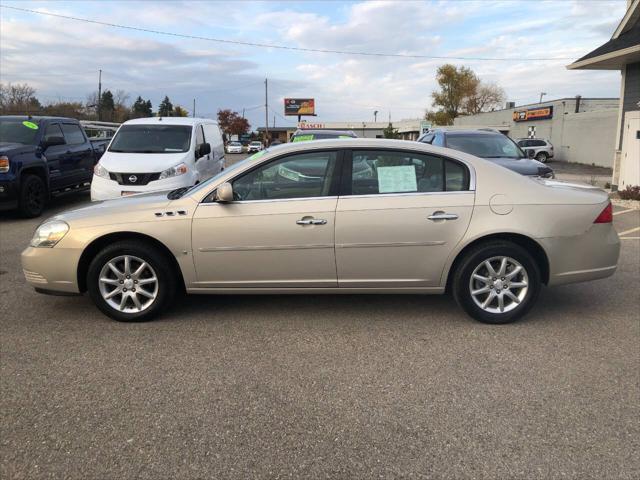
{"x": 158, "y": 153}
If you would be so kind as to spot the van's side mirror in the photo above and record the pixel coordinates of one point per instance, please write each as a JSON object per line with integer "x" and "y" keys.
{"x": 530, "y": 153}
{"x": 224, "y": 193}
{"x": 203, "y": 149}
{"x": 51, "y": 142}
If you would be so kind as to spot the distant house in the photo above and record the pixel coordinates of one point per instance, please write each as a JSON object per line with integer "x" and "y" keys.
{"x": 622, "y": 53}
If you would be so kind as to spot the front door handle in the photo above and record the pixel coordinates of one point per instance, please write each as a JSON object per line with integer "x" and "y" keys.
{"x": 442, "y": 216}
{"x": 311, "y": 221}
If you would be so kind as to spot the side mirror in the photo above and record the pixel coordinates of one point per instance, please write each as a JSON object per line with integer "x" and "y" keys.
{"x": 224, "y": 193}
{"x": 203, "y": 149}
{"x": 51, "y": 142}
{"x": 530, "y": 153}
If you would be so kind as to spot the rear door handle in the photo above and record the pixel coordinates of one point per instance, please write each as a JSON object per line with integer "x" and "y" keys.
{"x": 442, "y": 216}
{"x": 311, "y": 221}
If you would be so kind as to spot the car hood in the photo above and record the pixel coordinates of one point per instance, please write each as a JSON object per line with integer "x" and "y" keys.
{"x": 130, "y": 209}
{"x": 524, "y": 166}
{"x": 141, "y": 162}
{"x": 12, "y": 147}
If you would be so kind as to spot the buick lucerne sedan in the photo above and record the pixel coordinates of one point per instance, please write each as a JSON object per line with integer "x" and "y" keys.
{"x": 334, "y": 216}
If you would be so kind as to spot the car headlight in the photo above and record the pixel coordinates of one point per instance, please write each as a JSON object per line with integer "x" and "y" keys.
{"x": 4, "y": 164}
{"x": 179, "y": 169}
{"x": 49, "y": 234}
{"x": 100, "y": 171}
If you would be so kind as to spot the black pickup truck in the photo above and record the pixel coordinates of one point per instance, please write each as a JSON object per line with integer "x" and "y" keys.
{"x": 41, "y": 157}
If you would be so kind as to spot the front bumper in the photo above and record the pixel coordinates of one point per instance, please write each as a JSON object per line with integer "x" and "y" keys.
{"x": 52, "y": 270}
{"x": 582, "y": 258}
{"x": 107, "y": 189}
{"x": 9, "y": 188}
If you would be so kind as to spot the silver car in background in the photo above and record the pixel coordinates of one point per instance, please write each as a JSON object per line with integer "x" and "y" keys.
{"x": 334, "y": 216}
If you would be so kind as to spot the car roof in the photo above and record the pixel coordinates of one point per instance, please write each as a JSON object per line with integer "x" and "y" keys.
{"x": 470, "y": 131}
{"x": 36, "y": 117}
{"x": 169, "y": 121}
{"x": 304, "y": 131}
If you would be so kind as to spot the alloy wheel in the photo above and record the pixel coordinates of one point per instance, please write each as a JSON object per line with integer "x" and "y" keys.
{"x": 499, "y": 284}
{"x": 128, "y": 284}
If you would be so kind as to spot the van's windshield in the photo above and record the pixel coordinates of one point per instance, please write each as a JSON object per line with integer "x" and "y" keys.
{"x": 152, "y": 139}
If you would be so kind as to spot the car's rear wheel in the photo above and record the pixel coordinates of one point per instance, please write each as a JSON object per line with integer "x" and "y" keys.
{"x": 542, "y": 157}
{"x": 131, "y": 281}
{"x": 496, "y": 282}
{"x": 33, "y": 196}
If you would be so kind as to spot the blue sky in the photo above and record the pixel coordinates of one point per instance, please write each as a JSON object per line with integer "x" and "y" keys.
{"x": 61, "y": 58}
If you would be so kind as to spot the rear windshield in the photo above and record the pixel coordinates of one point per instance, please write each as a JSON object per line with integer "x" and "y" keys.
{"x": 485, "y": 146}
{"x": 18, "y": 131}
{"x": 152, "y": 139}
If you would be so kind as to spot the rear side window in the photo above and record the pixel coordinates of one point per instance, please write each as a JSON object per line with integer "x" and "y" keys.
{"x": 72, "y": 134}
{"x": 387, "y": 172}
{"x": 537, "y": 143}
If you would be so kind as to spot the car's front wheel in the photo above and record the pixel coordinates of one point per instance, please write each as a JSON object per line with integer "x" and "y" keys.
{"x": 130, "y": 281}
{"x": 542, "y": 157}
{"x": 496, "y": 282}
{"x": 33, "y": 196}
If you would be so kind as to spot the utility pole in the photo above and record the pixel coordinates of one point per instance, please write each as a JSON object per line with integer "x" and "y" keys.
{"x": 194, "y": 108}
{"x": 99, "y": 94}
{"x": 542, "y": 94}
{"x": 266, "y": 113}
{"x": 243, "y": 113}
{"x": 375, "y": 116}
{"x": 274, "y": 121}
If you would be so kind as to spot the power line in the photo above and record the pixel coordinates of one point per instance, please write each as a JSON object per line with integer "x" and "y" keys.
{"x": 282, "y": 47}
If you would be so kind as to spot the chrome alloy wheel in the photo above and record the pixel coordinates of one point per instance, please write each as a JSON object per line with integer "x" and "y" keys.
{"x": 499, "y": 284}
{"x": 128, "y": 284}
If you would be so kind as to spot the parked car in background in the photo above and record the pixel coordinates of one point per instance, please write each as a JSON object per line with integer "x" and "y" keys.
{"x": 41, "y": 157}
{"x": 489, "y": 144}
{"x": 234, "y": 147}
{"x": 162, "y": 153}
{"x": 304, "y": 135}
{"x": 542, "y": 149}
{"x": 334, "y": 216}
{"x": 254, "y": 146}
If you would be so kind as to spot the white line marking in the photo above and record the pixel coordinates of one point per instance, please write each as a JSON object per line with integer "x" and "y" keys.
{"x": 630, "y": 238}
{"x": 629, "y": 231}
{"x": 626, "y": 211}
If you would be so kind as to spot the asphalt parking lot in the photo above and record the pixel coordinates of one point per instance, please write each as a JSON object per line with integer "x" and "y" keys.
{"x": 320, "y": 386}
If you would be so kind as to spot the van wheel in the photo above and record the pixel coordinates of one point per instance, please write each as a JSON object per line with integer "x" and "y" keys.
{"x": 33, "y": 196}
{"x": 542, "y": 157}
{"x": 131, "y": 281}
{"x": 497, "y": 282}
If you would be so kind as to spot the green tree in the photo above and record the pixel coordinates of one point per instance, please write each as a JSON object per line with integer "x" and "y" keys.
{"x": 457, "y": 85}
{"x": 178, "y": 111}
{"x": 390, "y": 132}
{"x": 107, "y": 106}
{"x": 141, "y": 108}
{"x": 166, "y": 108}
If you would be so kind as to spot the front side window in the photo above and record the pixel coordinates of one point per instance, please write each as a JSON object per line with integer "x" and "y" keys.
{"x": 52, "y": 131}
{"x": 72, "y": 134}
{"x": 152, "y": 139}
{"x": 199, "y": 135}
{"x": 296, "y": 176}
{"x": 383, "y": 172}
{"x": 438, "y": 140}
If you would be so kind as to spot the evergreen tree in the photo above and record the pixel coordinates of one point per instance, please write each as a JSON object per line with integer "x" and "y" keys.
{"x": 166, "y": 108}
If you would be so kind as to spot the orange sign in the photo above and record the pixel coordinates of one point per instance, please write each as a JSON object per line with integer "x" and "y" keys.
{"x": 543, "y": 113}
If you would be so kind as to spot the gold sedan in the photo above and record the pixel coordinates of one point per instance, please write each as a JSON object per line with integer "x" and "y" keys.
{"x": 334, "y": 216}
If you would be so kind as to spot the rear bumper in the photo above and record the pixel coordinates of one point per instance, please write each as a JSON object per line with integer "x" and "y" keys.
{"x": 582, "y": 258}
{"x": 51, "y": 270}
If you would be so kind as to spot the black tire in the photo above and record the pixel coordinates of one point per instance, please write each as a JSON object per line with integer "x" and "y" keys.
{"x": 542, "y": 157}
{"x": 473, "y": 259}
{"x": 160, "y": 267}
{"x": 33, "y": 196}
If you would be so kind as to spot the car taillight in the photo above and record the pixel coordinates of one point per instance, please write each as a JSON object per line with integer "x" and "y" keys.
{"x": 606, "y": 216}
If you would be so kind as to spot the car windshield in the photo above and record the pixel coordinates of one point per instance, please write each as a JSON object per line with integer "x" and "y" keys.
{"x": 485, "y": 146}
{"x": 256, "y": 143}
{"x": 152, "y": 139}
{"x": 301, "y": 137}
{"x": 18, "y": 131}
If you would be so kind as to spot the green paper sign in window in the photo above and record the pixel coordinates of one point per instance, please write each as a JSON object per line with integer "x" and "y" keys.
{"x": 303, "y": 138}
{"x": 31, "y": 125}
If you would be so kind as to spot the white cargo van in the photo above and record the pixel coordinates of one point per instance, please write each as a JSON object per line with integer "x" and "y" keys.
{"x": 161, "y": 153}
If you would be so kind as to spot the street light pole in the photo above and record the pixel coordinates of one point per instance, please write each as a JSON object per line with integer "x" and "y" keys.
{"x": 542, "y": 94}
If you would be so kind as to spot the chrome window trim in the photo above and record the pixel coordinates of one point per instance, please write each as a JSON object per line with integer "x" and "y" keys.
{"x": 278, "y": 200}
{"x": 408, "y": 194}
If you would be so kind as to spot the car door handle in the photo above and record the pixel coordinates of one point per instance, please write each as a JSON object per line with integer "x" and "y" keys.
{"x": 311, "y": 221}
{"x": 442, "y": 216}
